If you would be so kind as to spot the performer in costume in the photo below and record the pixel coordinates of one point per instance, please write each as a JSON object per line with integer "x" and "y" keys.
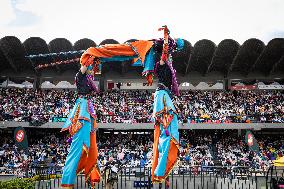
{"x": 166, "y": 147}
{"x": 82, "y": 119}
{"x": 81, "y": 125}
{"x": 166, "y": 136}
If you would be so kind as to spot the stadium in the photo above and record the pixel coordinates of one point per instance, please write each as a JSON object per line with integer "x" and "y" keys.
{"x": 249, "y": 76}
{"x": 137, "y": 94}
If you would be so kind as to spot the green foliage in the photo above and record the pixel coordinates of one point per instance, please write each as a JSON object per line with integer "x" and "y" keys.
{"x": 26, "y": 183}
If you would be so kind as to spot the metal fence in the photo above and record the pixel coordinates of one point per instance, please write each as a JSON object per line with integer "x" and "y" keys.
{"x": 195, "y": 177}
{"x": 275, "y": 177}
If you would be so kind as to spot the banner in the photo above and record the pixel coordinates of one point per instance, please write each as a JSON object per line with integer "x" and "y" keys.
{"x": 21, "y": 139}
{"x": 251, "y": 142}
{"x": 59, "y": 119}
{"x": 277, "y": 87}
{"x": 143, "y": 184}
{"x": 243, "y": 87}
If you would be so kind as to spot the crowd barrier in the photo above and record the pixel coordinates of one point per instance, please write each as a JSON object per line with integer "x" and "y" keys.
{"x": 193, "y": 177}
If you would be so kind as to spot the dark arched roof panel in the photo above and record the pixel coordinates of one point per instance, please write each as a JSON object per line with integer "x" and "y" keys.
{"x": 4, "y": 63}
{"x": 35, "y": 46}
{"x": 15, "y": 53}
{"x": 202, "y": 55}
{"x": 181, "y": 57}
{"x": 224, "y": 56}
{"x": 247, "y": 55}
{"x": 278, "y": 66}
{"x": 109, "y": 41}
{"x": 60, "y": 45}
{"x": 84, "y": 44}
{"x": 270, "y": 56}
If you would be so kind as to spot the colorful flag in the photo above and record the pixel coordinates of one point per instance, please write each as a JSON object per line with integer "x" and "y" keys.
{"x": 21, "y": 139}
{"x": 251, "y": 142}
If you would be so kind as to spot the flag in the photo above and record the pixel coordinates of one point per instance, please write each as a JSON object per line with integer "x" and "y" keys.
{"x": 251, "y": 142}
{"x": 21, "y": 139}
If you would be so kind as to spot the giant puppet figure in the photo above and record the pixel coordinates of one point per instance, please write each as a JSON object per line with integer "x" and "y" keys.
{"x": 155, "y": 57}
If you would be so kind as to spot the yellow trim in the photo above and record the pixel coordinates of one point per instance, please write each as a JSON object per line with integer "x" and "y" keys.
{"x": 86, "y": 149}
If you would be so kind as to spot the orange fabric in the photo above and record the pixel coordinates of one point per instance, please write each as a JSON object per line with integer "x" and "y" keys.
{"x": 173, "y": 155}
{"x": 67, "y": 186}
{"x": 149, "y": 78}
{"x": 172, "y": 158}
{"x": 142, "y": 48}
{"x": 89, "y": 159}
{"x": 95, "y": 176}
{"x": 157, "y": 133}
{"x": 82, "y": 162}
{"x": 91, "y": 168}
{"x": 110, "y": 50}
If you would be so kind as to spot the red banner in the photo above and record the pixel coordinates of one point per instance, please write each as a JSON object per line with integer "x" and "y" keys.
{"x": 243, "y": 87}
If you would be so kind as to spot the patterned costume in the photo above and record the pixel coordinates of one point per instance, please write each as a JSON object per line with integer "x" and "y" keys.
{"x": 81, "y": 124}
{"x": 145, "y": 53}
{"x": 166, "y": 135}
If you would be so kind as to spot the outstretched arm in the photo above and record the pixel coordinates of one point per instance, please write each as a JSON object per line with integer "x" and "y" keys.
{"x": 162, "y": 62}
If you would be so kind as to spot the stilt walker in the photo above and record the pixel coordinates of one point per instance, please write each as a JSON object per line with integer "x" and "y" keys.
{"x": 166, "y": 139}
{"x": 81, "y": 124}
{"x": 166, "y": 135}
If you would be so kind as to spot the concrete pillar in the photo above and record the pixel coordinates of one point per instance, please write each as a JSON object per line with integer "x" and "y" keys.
{"x": 239, "y": 132}
{"x": 227, "y": 84}
{"x": 102, "y": 84}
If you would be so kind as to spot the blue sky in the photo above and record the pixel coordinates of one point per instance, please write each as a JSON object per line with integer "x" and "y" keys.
{"x": 125, "y": 19}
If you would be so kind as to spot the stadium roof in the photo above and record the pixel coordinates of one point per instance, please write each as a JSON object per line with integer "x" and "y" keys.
{"x": 204, "y": 56}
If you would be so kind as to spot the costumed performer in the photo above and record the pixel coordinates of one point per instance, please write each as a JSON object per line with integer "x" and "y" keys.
{"x": 81, "y": 124}
{"x": 166, "y": 135}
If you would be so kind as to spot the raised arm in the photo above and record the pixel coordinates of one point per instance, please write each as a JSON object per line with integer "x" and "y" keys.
{"x": 162, "y": 62}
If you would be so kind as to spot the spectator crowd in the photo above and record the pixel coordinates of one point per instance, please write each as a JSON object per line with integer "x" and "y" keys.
{"x": 41, "y": 106}
{"x": 135, "y": 150}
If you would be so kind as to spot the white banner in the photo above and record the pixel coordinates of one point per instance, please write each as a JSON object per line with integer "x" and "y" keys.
{"x": 279, "y": 87}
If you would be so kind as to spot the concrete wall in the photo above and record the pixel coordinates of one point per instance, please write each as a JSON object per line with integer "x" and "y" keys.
{"x": 147, "y": 126}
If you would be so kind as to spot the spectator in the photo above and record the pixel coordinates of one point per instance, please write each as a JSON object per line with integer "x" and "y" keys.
{"x": 38, "y": 107}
